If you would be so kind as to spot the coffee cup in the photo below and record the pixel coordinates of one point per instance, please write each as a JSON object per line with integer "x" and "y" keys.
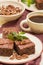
{"x": 33, "y": 26}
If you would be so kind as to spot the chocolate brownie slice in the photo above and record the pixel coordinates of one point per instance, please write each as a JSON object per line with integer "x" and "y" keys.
{"x": 39, "y": 4}
{"x": 24, "y": 47}
{"x": 6, "y": 47}
{"x": 8, "y": 30}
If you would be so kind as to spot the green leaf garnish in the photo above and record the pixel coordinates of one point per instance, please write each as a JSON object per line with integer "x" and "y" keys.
{"x": 28, "y": 2}
{"x": 21, "y": 32}
{"x": 15, "y": 36}
{"x": 10, "y": 36}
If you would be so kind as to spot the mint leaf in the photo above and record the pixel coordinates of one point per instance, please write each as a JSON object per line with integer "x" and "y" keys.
{"x": 21, "y": 32}
{"x": 10, "y": 36}
{"x": 28, "y": 2}
{"x": 16, "y": 36}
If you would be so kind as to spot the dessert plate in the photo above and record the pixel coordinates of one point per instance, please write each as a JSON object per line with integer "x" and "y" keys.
{"x": 32, "y": 7}
{"x": 38, "y": 50}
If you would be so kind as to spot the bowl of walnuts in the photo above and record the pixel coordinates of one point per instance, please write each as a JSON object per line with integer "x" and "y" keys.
{"x": 10, "y": 10}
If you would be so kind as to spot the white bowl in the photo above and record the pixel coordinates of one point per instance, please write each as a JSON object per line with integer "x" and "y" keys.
{"x": 6, "y": 18}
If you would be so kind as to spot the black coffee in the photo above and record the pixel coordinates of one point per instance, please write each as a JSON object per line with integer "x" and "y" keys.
{"x": 37, "y": 19}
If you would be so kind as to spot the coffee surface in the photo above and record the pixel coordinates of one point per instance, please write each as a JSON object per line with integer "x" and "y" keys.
{"x": 37, "y": 19}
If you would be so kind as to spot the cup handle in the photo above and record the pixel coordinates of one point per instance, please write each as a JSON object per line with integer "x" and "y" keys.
{"x": 21, "y": 25}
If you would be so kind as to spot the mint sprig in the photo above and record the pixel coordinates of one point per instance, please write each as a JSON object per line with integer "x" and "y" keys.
{"x": 16, "y": 36}
{"x": 28, "y": 2}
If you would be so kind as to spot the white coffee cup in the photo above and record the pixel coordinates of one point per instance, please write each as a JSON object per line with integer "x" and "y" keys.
{"x": 33, "y": 26}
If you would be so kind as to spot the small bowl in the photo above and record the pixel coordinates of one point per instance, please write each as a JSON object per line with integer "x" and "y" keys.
{"x": 6, "y": 18}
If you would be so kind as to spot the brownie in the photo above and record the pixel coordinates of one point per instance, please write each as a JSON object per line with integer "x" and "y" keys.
{"x": 39, "y": 4}
{"x": 25, "y": 47}
{"x": 8, "y": 30}
{"x": 6, "y": 47}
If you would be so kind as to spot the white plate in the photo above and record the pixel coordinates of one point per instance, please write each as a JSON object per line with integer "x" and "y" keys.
{"x": 38, "y": 50}
{"x": 31, "y": 8}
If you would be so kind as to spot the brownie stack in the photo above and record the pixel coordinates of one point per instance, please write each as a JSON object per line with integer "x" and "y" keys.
{"x": 39, "y": 4}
